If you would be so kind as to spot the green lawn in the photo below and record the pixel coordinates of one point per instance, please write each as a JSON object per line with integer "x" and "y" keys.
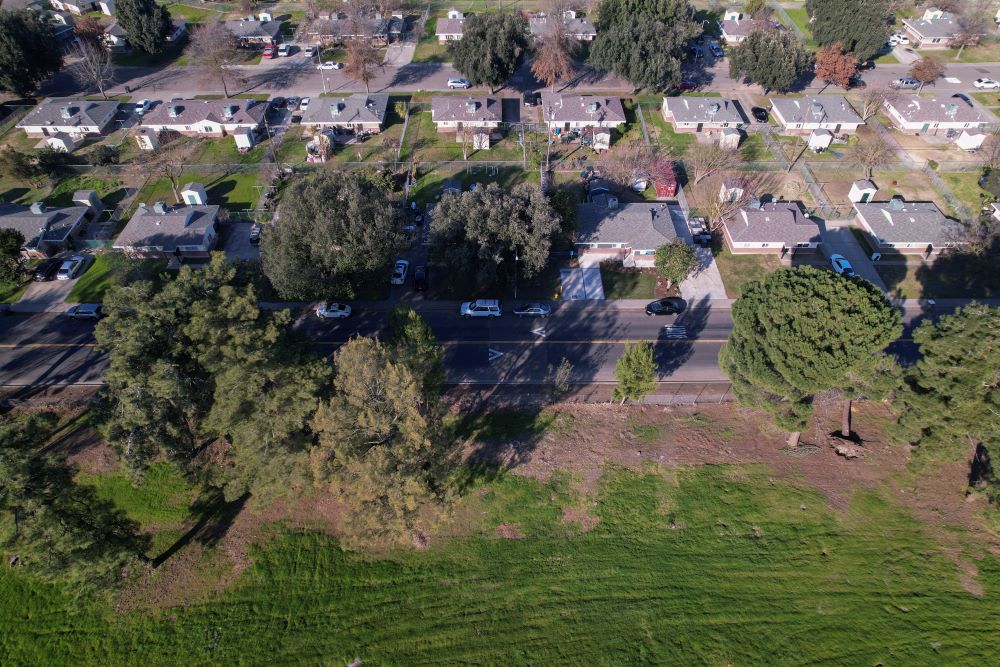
{"x": 110, "y": 269}
{"x": 191, "y": 13}
{"x": 626, "y": 284}
{"x": 660, "y": 131}
{"x": 800, "y": 18}
{"x": 11, "y": 292}
{"x": 424, "y": 143}
{"x": 715, "y": 565}
{"x": 161, "y": 498}
{"x": 111, "y": 190}
{"x": 737, "y": 270}
{"x": 224, "y": 151}
{"x": 237, "y": 192}
{"x": 965, "y": 186}
{"x": 429, "y": 49}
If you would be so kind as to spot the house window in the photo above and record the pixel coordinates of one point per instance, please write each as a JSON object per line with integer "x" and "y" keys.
{"x": 802, "y": 245}
{"x": 607, "y": 245}
{"x": 764, "y": 245}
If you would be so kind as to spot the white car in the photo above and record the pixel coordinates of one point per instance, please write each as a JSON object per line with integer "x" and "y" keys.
{"x": 481, "y": 308}
{"x": 284, "y": 50}
{"x": 330, "y": 66}
{"x": 457, "y": 82}
{"x": 986, "y": 84}
{"x": 85, "y": 311}
{"x": 309, "y": 51}
{"x": 71, "y": 267}
{"x": 326, "y": 310}
{"x": 399, "y": 271}
{"x": 304, "y": 104}
{"x": 142, "y": 106}
{"x": 842, "y": 266}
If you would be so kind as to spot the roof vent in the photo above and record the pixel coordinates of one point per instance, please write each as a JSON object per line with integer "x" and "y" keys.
{"x": 612, "y": 202}
{"x": 67, "y": 112}
{"x": 174, "y": 111}
{"x": 591, "y": 107}
{"x": 817, "y": 109}
{"x": 160, "y": 207}
{"x": 470, "y": 106}
{"x": 229, "y": 111}
{"x": 896, "y": 203}
{"x": 952, "y": 109}
{"x": 713, "y": 108}
{"x": 38, "y": 208}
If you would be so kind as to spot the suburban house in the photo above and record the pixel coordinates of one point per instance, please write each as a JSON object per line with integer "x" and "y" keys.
{"x": 69, "y": 115}
{"x": 107, "y": 7}
{"x": 934, "y": 30}
{"x": 627, "y": 233}
{"x": 802, "y": 115}
{"x": 254, "y": 32}
{"x": 698, "y": 114}
{"x": 339, "y": 29}
{"x": 452, "y": 28}
{"x": 925, "y": 115}
{"x": 211, "y": 118}
{"x": 451, "y": 114}
{"x": 49, "y": 231}
{"x": 358, "y": 113}
{"x": 77, "y": 7}
{"x": 734, "y": 27}
{"x": 576, "y": 27}
{"x": 564, "y": 112}
{"x": 184, "y": 231}
{"x": 775, "y": 228}
{"x": 910, "y": 228}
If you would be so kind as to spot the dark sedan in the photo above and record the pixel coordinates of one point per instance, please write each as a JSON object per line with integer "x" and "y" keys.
{"x": 420, "y": 278}
{"x": 672, "y": 305}
{"x": 759, "y": 114}
{"x": 47, "y": 269}
{"x": 534, "y": 309}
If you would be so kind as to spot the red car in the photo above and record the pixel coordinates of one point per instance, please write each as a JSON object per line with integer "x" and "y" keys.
{"x": 268, "y": 51}
{"x": 686, "y": 85}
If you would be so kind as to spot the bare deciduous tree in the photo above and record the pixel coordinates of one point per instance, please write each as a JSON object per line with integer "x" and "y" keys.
{"x": 926, "y": 70}
{"x": 88, "y": 29}
{"x": 989, "y": 152}
{"x": 553, "y": 61}
{"x": 703, "y": 160}
{"x": 873, "y": 99}
{"x": 363, "y": 62}
{"x": 213, "y": 51}
{"x": 627, "y": 162}
{"x": 973, "y": 23}
{"x": 743, "y": 187}
{"x": 95, "y": 66}
{"x": 872, "y": 154}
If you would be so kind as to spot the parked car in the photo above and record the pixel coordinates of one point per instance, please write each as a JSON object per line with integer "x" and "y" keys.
{"x": 481, "y": 308}
{"x": 759, "y": 114}
{"x": 905, "y": 83}
{"x": 46, "y": 270}
{"x": 326, "y": 311}
{"x": 671, "y": 305}
{"x": 284, "y": 50}
{"x": 399, "y": 271}
{"x": 458, "y": 82}
{"x": 986, "y": 84}
{"x": 330, "y": 65}
{"x": 533, "y": 309}
{"x": 842, "y": 266}
{"x": 268, "y": 51}
{"x": 304, "y": 104}
{"x": 275, "y": 104}
{"x": 717, "y": 51}
{"x": 255, "y": 231}
{"x": 531, "y": 99}
{"x": 686, "y": 85}
{"x": 85, "y": 311}
{"x": 856, "y": 82}
{"x": 420, "y": 278}
{"x": 866, "y": 65}
{"x": 142, "y": 106}
{"x": 309, "y": 51}
{"x": 71, "y": 268}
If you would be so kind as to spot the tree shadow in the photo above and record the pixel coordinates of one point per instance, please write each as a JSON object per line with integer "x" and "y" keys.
{"x": 215, "y": 518}
{"x": 412, "y": 74}
{"x": 672, "y": 351}
{"x": 503, "y": 439}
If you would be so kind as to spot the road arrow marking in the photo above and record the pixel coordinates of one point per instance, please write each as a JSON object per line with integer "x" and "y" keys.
{"x": 494, "y": 354}
{"x": 540, "y": 331}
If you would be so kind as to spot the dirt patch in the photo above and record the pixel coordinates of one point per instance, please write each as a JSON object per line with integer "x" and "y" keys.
{"x": 509, "y": 531}
{"x": 96, "y": 457}
{"x": 582, "y": 520}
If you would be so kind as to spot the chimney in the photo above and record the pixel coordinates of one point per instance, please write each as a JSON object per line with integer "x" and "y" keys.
{"x": 713, "y": 108}
{"x": 228, "y": 111}
{"x": 173, "y": 111}
{"x": 38, "y": 208}
{"x": 67, "y": 112}
{"x": 160, "y": 207}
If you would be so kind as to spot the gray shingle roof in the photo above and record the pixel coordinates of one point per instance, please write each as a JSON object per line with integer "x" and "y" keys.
{"x": 909, "y": 222}
{"x": 582, "y": 108}
{"x": 52, "y": 225}
{"x": 686, "y": 109}
{"x": 774, "y": 222}
{"x": 248, "y": 112}
{"x": 466, "y": 109}
{"x": 178, "y": 226}
{"x": 450, "y": 27}
{"x": 83, "y": 112}
{"x": 915, "y": 109}
{"x": 815, "y": 109}
{"x": 359, "y": 108}
{"x": 641, "y": 226}
{"x": 740, "y": 28}
{"x": 573, "y": 27}
{"x": 943, "y": 28}
{"x": 244, "y": 29}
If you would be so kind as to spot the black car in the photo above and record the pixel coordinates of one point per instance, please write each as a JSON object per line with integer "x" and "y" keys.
{"x": 759, "y": 114}
{"x": 420, "y": 278}
{"x": 47, "y": 269}
{"x": 255, "y": 231}
{"x": 672, "y": 305}
{"x": 531, "y": 99}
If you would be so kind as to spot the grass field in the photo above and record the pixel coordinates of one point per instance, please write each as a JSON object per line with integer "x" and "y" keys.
{"x": 737, "y": 270}
{"x": 628, "y": 284}
{"x": 712, "y": 565}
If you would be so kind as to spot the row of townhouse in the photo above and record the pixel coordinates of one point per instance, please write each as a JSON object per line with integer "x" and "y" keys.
{"x": 572, "y": 24}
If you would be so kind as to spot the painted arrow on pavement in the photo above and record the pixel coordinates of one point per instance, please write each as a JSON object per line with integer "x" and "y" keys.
{"x": 494, "y": 354}
{"x": 540, "y": 331}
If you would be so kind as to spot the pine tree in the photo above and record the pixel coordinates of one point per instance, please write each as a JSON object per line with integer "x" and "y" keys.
{"x": 28, "y": 52}
{"x": 859, "y": 26}
{"x": 771, "y": 59}
{"x": 145, "y": 22}
{"x": 414, "y": 345}
{"x": 636, "y": 372}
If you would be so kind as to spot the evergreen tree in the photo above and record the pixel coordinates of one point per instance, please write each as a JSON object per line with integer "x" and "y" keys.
{"x": 11, "y": 264}
{"x": 491, "y": 48}
{"x": 635, "y": 372}
{"x": 28, "y": 52}
{"x": 800, "y": 332}
{"x": 146, "y": 23}
{"x": 772, "y": 59}
{"x": 413, "y": 344}
{"x": 675, "y": 261}
{"x": 859, "y": 26}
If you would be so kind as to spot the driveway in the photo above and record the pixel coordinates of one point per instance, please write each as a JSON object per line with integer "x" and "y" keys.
{"x": 706, "y": 281}
{"x": 838, "y": 239}
{"x": 236, "y": 241}
{"x": 42, "y": 297}
{"x": 400, "y": 54}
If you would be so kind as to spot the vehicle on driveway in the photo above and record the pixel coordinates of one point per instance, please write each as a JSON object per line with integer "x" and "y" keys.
{"x": 142, "y": 106}
{"x": 330, "y": 65}
{"x": 284, "y": 50}
{"x": 292, "y": 103}
{"x": 309, "y": 51}
{"x": 905, "y": 83}
{"x": 328, "y": 311}
{"x": 717, "y": 51}
{"x": 71, "y": 268}
{"x": 46, "y": 270}
{"x": 85, "y": 311}
{"x": 533, "y": 309}
{"x": 842, "y": 266}
{"x": 255, "y": 232}
{"x": 304, "y": 104}
{"x": 399, "y": 271}
{"x": 759, "y": 114}
{"x": 420, "y": 278}
{"x": 671, "y": 305}
{"x": 481, "y": 308}
{"x": 269, "y": 51}
{"x": 986, "y": 84}
{"x": 458, "y": 82}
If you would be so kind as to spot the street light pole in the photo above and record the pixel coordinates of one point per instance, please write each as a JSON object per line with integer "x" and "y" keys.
{"x": 516, "y": 258}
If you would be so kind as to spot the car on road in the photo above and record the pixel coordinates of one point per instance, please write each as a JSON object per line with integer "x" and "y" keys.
{"x": 986, "y": 84}
{"x": 905, "y": 83}
{"x": 458, "y": 82}
{"x": 255, "y": 231}
{"x": 759, "y": 114}
{"x": 671, "y": 305}
{"x": 71, "y": 267}
{"x": 399, "y": 270}
{"x": 842, "y": 266}
{"x": 332, "y": 311}
{"x": 481, "y": 308}
{"x": 46, "y": 270}
{"x": 532, "y": 99}
{"x": 284, "y": 50}
{"x": 304, "y": 104}
{"x": 717, "y": 51}
{"x": 533, "y": 309}
{"x": 420, "y": 278}
{"x": 309, "y": 51}
{"x": 330, "y": 65}
{"x": 85, "y": 311}
{"x": 856, "y": 82}
{"x": 142, "y": 106}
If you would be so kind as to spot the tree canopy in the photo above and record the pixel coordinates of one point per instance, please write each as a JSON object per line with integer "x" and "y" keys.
{"x": 635, "y": 371}
{"x": 675, "y": 261}
{"x": 479, "y": 233}
{"x": 28, "y": 52}
{"x": 859, "y": 26}
{"x": 800, "y": 332}
{"x": 11, "y": 265}
{"x": 145, "y": 22}
{"x": 644, "y": 41}
{"x": 770, "y": 58}
{"x": 336, "y": 231}
{"x": 491, "y": 48}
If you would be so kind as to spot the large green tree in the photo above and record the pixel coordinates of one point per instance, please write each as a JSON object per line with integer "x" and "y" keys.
{"x": 28, "y": 52}
{"x": 675, "y": 261}
{"x": 479, "y": 233}
{"x": 414, "y": 344}
{"x": 770, "y": 58}
{"x": 800, "y": 332}
{"x": 635, "y": 371}
{"x": 145, "y": 22}
{"x": 952, "y": 400}
{"x": 336, "y": 232}
{"x": 11, "y": 264}
{"x": 859, "y": 26}
{"x": 491, "y": 48}
{"x": 644, "y": 41}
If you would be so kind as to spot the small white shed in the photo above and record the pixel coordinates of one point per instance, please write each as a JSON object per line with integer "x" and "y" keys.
{"x": 61, "y": 141}
{"x": 147, "y": 139}
{"x": 730, "y": 138}
{"x": 602, "y": 139}
{"x": 820, "y": 140}
{"x": 862, "y": 191}
{"x": 970, "y": 140}
{"x": 244, "y": 139}
{"x": 455, "y": 14}
{"x": 193, "y": 194}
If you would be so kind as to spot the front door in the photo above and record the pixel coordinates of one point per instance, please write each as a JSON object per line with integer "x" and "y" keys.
{"x": 924, "y": 129}
{"x": 864, "y": 197}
